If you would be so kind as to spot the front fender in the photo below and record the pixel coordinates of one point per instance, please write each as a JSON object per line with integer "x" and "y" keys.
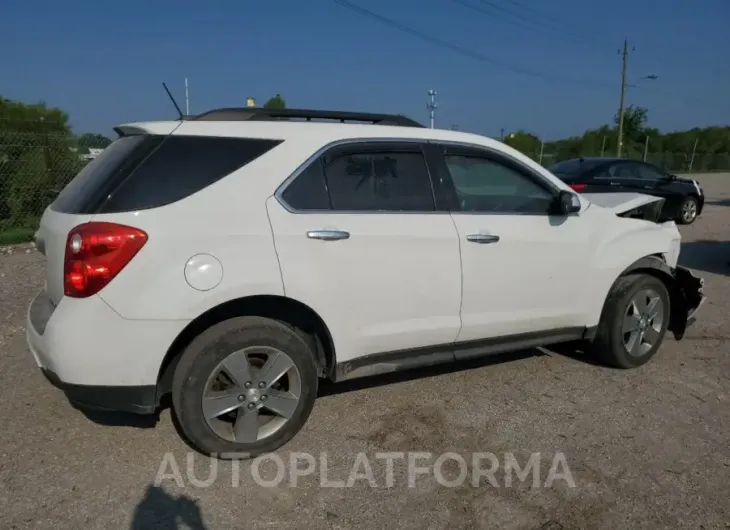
{"x": 632, "y": 240}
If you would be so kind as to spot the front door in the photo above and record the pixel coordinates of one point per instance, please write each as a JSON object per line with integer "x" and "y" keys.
{"x": 524, "y": 270}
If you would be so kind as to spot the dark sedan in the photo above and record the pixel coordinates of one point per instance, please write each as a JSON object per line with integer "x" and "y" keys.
{"x": 684, "y": 198}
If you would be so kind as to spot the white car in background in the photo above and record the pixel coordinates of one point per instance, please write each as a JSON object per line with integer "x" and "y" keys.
{"x": 235, "y": 258}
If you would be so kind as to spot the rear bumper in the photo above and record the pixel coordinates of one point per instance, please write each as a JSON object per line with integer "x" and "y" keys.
{"x": 135, "y": 399}
{"x": 99, "y": 359}
{"x": 687, "y": 299}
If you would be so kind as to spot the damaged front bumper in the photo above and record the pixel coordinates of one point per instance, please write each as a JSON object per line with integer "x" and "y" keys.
{"x": 687, "y": 298}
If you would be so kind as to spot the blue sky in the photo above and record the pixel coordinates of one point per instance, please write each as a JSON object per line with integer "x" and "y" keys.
{"x": 104, "y": 62}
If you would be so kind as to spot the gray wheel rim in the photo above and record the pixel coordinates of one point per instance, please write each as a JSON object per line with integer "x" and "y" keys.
{"x": 689, "y": 211}
{"x": 643, "y": 322}
{"x": 251, "y": 394}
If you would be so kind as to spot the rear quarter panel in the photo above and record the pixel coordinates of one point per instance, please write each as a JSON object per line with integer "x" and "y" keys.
{"x": 227, "y": 220}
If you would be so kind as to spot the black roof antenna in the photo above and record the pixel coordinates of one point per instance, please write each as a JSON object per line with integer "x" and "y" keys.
{"x": 177, "y": 108}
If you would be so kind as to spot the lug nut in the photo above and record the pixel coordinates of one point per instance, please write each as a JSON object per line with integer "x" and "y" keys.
{"x": 262, "y": 384}
{"x": 248, "y": 384}
{"x": 241, "y": 397}
{"x": 251, "y": 406}
{"x": 264, "y": 397}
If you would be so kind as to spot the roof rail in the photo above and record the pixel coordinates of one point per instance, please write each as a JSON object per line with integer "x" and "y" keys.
{"x": 261, "y": 114}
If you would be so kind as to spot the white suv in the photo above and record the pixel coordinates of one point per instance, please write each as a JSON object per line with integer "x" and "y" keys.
{"x": 234, "y": 258}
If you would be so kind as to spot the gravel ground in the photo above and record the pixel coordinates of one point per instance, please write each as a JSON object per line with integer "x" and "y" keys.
{"x": 645, "y": 448}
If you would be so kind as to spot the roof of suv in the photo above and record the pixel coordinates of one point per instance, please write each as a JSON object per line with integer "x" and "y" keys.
{"x": 284, "y": 124}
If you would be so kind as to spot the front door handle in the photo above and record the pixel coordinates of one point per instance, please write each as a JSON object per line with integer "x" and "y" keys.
{"x": 328, "y": 235}
{"x": 482, "y": 238}
{"x": 615, "y": 183}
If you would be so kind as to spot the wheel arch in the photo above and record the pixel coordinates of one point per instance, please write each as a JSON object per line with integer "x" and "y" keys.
{"x": 654, "y": 265}
{"x": 302, "y": 318}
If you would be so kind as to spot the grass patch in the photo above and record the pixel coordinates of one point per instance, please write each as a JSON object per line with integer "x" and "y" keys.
{"x": 19, "y": 234}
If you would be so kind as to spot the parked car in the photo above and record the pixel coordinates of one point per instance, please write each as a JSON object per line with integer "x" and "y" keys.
{"x": 235, "y": 258}
{"x": 683, "y": 197}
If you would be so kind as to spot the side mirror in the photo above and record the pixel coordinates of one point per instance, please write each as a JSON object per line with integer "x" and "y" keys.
{"x": 568, "y": 202}
{"x": 672, "y": 177}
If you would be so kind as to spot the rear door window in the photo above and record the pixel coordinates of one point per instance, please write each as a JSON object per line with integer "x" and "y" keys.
{"x": 142, "y": 172}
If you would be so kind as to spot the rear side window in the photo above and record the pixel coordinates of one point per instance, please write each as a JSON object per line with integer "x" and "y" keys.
{"x": 181, "y": 166}
{"x": 83, "y": 193}
{"x": 142, "y": 172}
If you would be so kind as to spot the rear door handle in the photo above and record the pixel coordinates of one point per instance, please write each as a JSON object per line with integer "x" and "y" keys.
{"x": 328, "y": 235}
{"x": 482, "y": 238}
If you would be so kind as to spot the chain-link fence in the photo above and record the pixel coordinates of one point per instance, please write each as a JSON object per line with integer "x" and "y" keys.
{"x": 36, "y": 162}
{"x": 677, "y": 162}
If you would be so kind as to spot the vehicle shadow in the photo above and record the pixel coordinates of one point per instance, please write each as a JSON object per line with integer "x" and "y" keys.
{"x": 158, "y": 509}
{"x": 721, "y": 202}
{"x": 707, "y": 256}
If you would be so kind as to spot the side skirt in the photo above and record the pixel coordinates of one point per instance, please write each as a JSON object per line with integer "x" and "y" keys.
{"x": 403, "y": 360}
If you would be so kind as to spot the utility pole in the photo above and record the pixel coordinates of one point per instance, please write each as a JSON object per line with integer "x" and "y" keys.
{"x": 542, "y": 150}
{"x": 187, "y": 98}
{"x": 646, "y": 147}
{"x": 603, "y": 146}
{"x": 432, "y": 106}
{"x": 501, "y": 135}
{"x": 694, "y": 151}
{"x": 621, "y": 109}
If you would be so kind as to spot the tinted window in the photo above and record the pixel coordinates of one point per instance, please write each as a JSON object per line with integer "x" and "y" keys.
{"x": 386, "y": 180}
{"x": 646, "y": 172}
{"x": 484, "y": 185}
{"x": 181, "y": 166}
{"x": 87, "y": 188}
{"x": 573, "y": 167}
{"x": 308, "y": 191}
{"x": 623, "y": 170}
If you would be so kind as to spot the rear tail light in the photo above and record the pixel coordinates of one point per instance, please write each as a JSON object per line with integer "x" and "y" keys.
{"x": 578, "y": 187}
{"x": 95, "y": 254}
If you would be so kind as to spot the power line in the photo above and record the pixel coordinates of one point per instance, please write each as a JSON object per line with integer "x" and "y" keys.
{"x": 498, "y": 12}
{"x": 557, "y": 21}
{"x": 464, "y": 51}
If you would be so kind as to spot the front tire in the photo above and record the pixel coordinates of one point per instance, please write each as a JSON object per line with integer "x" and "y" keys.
{"x": 244, "y": 387}
{"x": 634, "y": 321}
{"x": 688, "y": 211}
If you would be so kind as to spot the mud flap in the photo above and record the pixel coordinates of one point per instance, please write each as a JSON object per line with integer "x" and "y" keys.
{"x": 687, "y": 297}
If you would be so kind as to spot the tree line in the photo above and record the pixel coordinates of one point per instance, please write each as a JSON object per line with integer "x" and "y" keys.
{"x": 39, "y": 155}
{"x": 670, "y": 150}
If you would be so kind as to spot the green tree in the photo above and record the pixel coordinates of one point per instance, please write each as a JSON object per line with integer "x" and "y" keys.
{"x": 276, "y": 102}
{"x": 36, "y": 158}
{"x": 92, "y": 141}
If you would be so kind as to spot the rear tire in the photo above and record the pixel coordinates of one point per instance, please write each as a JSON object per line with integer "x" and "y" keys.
{"x": 633, "y": 323}
{"x": 244, "y": 387}
{"x": 688, "y": 211}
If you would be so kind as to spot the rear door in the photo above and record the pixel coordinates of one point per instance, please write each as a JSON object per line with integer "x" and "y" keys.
{"x": 360, "y": 241}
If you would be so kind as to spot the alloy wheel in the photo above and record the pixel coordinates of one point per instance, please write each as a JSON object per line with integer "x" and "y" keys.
{"x": 643, "y": 322}
{"x": 251, "y": 394}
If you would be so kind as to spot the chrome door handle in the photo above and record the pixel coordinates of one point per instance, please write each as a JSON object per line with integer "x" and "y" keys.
{"x": 328, "y": 235}
{"x": 615, "y": 183}
{"x": 482, "y": 238}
